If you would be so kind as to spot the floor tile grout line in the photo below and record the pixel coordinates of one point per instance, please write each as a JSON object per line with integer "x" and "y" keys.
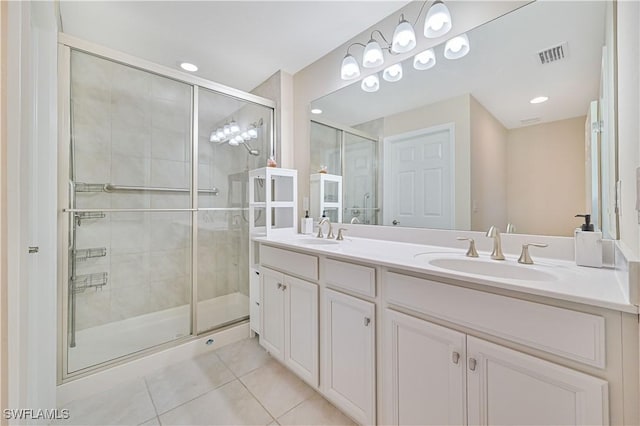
{"x": 146, "y": 385}
{"x": 195, "y": 397}
{"x": 298, "y": 404}
{"x": 273, "y": 418}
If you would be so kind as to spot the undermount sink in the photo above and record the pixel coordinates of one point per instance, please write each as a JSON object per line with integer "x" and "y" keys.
{"x": 318, "y": 241}
{"x": 494, "y": 269}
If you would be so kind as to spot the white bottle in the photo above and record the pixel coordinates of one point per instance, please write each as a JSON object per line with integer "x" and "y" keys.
{"x": 306, "y": 224}
{"x": 588, "y": 248}
{"x": 588, "y": 244}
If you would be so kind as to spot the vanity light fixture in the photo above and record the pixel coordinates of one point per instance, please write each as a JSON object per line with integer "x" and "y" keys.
{"x": 393, "y": 73}
{"x": 404, "y": 37}
{"x": 188, "y": 67}
{"x": 424, "y": 60}
{"x": 252, "y": 132}
{"x": 232, "y": 133}
{"x": 539, "y": 100}
{"x": 457, "y": 47}
{"x": 372, "y": 56}
{"x": 350, "y": 68}
{"x": 438, "y": 20}
{"x": 316, "y": 111}
{"x": 371, "y": 83}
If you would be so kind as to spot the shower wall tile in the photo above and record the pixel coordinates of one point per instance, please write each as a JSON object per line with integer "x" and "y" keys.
{"x": 130, "y": 200}
{"x": 169, "y": 144}
{"x": 93, "y": 308}
{"x": 165, "y": 294}
{"x": 128, "y": 142}
{"x": 129, "y": 302}
{"x": 169, "y": 200}
{"x": 168, "y": 264}
{"x": 168, "y": 115}
{"x": 172, "y": 174}
{"x": 129, "y": 270}
{"x": 91, "y": 168}
{"x": 128, "y": 236}
{"x": 170, "y": 90}
{"x": 130, "y": 171}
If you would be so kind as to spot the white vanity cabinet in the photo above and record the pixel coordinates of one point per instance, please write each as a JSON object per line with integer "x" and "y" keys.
{"x": 508, "y": 387}
{"x": 436, "y": 375}
{"x": 290, "y": 322}
{"x": 348, "y": 361}
{"x": 424, "y": 373}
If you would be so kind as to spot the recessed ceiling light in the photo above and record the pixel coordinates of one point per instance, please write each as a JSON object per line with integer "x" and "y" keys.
{"x": 539, "y": 100}
{"x": 188, "y": 67}
{"x": 316, "y": 111}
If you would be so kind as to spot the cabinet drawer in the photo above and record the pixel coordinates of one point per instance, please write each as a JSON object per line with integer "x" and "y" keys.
{"x": 302, "y": 265}
{"x": 570, "y": 334}
{"x": 357, "y": 278}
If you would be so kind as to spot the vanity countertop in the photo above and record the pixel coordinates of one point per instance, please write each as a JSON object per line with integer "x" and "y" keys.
{"x": 591, "y": 286}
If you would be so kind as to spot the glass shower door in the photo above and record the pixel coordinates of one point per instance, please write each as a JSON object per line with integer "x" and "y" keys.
{"x": 129, "y": 283}
{"x": 234, "y": 137}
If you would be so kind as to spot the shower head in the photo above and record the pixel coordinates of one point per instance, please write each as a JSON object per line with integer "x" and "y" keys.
{"x": 251, "y": 150}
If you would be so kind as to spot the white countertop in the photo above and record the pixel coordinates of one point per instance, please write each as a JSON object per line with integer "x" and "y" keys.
{"x": 591, "y": 286}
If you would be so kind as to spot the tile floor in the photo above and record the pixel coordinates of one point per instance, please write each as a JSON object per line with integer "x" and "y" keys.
{"x": 238, "y": 384}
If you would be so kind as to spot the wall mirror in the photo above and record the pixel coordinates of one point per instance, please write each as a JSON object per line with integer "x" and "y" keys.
{"x": 464, "y": 145}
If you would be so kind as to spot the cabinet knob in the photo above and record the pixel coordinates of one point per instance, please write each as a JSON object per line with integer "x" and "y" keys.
{"x": 279, "y": 286}
{"x": 455, "y": 357}
{"x": 367, "y": 321}
{"x": 472, "y": 364}
{"x": 284, "y": 287}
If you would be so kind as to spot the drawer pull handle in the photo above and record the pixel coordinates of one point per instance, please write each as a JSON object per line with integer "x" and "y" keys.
{"x": 367, "y": 321}
{"x": 279, "y": 286}
{"x": 472, "y": 364}
{"x": 284, "y": 287}
{"x": 455, "y": 357}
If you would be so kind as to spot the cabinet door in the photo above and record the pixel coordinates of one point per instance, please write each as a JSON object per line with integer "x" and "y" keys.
{"x": 301, "y": 328}
{"x": 424, "y": 375}
{"x": 272, "y": 337}
{"x": 254, "y": 299}
{"x": 509, "y": 387}
{"x": 348, "y": 355}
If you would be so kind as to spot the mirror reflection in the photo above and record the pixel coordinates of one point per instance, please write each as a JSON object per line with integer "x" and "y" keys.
{"x": 519, "y": 133}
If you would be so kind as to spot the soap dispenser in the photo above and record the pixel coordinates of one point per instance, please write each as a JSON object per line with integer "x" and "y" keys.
{"x": 588, "y": 244}
{"x": 306, "y": 224}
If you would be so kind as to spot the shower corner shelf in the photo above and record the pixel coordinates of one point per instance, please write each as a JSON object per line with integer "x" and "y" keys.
{"x": 82, "y": 282}
{"x": 83, "y": 254}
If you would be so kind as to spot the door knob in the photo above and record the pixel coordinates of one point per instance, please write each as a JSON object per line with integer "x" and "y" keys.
{"x": 395, "y": 222}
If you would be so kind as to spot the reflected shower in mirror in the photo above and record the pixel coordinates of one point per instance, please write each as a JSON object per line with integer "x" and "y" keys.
{"x": 465, "y": 144}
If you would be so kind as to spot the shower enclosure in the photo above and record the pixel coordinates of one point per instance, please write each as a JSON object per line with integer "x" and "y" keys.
{"x": 153, "y": 205}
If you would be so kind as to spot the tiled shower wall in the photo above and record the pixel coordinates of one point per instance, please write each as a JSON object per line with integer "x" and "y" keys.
{"x": 132, "y": 128}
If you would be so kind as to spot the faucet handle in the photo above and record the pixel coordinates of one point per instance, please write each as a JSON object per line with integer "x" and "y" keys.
{"x": 340, "y": 237}
{"x": 525, "y": 258}
{"x": 471, "y": 252}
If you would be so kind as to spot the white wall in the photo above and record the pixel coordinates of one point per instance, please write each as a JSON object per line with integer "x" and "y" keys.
{"x": 4, "y": 373}
{"x": 546, "y": 177}
{"x": 628, "y": 120}
{"x": 488, "y": 169}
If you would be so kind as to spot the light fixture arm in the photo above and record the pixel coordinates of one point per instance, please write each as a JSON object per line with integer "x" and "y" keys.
{"x": 351, "y": 45}
{"x": 420, "y": 12}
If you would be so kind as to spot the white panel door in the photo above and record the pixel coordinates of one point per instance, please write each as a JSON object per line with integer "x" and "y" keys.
{"x": 301, "y": 328}
{"x": 272, "y": 337}
{"x": 348, "y": 355}
{"x": 506, "y": 387}
{"x": 419, "y": 177}
{"x": 424, "y": 373}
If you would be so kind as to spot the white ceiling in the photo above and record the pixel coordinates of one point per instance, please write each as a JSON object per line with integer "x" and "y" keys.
{"x": 501, "y": 71}
{"x": 236, "y": 43}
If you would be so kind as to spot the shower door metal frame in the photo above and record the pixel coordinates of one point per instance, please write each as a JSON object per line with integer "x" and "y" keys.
{"x": 66, "y": 212}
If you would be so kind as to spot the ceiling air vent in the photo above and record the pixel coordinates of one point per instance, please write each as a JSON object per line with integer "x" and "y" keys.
{"x": 554, "y": 54}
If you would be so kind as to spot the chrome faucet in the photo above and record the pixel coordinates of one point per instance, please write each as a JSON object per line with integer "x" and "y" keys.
{"x": 494, "y": 233}
{"x": 330, "y": 234}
